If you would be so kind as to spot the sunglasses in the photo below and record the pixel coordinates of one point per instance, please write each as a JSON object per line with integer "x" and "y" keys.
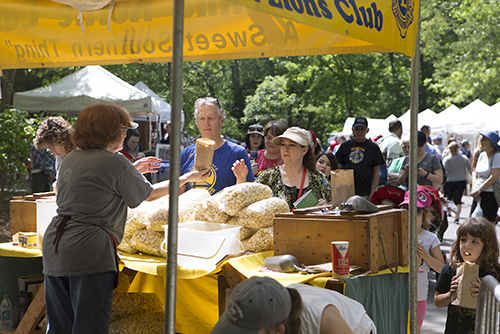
{"x": 420, "y": 210}
{"x": 256, "y": 128}
{"x": 214, "y": 100}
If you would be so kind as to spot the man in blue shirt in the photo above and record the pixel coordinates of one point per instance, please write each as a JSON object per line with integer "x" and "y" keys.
{"x": 230, "y": 164}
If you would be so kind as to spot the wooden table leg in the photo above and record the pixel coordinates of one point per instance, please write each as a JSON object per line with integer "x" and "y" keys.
{"x": 33, "y": 314}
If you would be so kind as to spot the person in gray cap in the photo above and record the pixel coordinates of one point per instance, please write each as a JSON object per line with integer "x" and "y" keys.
{"x": 390, "y": 145}
{"x": 438, "y": 144}
{"x": 363, "y": 156}
{"x": 261, "y": 305}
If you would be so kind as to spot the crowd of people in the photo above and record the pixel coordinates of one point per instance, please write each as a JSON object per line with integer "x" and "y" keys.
{"x": 99, "y": 165}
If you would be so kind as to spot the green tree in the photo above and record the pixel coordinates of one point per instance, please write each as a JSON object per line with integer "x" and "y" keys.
{"x": 16, "y": 129}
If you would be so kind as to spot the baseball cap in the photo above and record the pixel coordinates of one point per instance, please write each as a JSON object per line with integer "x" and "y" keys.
{"x": 464, "y": 142}
{"x": 421, "y": 139}
{"x": 423, "y": 199}
{"x": 255, "y": 303}
{"x": 298, "y": 135}
{"x": 360, "y": 121}
{"x": 493, "y": 137}
{"x": 388, "y": 192}
{"x": 313, "y": 135}
{"x": 133, "y": 126}
{"x": 256, "y": 128}
{"x": 438, "y": 138}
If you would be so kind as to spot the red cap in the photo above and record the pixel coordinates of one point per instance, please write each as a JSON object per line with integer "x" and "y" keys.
{"x": 313, "y": 135}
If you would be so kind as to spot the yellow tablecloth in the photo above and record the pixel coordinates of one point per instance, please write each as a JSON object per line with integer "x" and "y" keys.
{"x": 10, "y": 249}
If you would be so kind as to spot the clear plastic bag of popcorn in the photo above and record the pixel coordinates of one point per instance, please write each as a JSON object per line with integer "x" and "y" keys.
{"x": 234, "y": 198}
{"x": 126, "y": 245}
{"x": 187, "y": 204}
{"x": 137, "y": 218}
{"x": 261, "y": 241}
{"x": 209, "y": 211}
{"x": 261, "y": 213}
{"x": 148, "y": 241}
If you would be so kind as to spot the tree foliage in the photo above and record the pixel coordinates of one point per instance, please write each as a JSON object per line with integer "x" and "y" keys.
{"x": 460, "y": 46}
{"x": 16, "y": 129}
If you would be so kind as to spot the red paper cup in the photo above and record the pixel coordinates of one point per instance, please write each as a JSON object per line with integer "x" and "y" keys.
{"x": 340, "y": 259}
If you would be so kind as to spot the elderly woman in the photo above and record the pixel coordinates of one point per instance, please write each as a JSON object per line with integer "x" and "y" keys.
{"x": 271, "y": 155}
{"x": 54, "y": 134}
{"x": 96, "y": 186}
{"x": 455, "y": 165}
{"x": 297, "y": 174}
{"x": 429, "y": 169}
{"x": 486, "y": 173}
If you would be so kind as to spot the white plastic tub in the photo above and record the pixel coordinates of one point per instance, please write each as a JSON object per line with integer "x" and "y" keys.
{"x": 206, "y": 240}
{"x": 46, "y": 209}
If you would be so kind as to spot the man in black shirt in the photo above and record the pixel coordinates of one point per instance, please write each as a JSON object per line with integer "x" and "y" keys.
{"x": 363, "y": 156}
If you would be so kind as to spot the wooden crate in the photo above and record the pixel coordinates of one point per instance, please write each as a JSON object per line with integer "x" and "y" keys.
{"x": 308, "y": 237}
{"x": 23, "y": 212}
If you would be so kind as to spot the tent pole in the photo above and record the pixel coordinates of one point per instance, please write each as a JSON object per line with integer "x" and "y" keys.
{"x": 175, "y": 152}
{"x": 414, "y": 261}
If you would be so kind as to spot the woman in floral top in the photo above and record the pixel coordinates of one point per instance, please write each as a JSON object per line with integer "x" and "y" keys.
{"x": 297, "y": 174}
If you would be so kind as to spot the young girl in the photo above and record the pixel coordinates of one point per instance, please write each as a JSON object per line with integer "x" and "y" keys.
{"x": 428, "y": 250}
{"x": 476, "y": 242}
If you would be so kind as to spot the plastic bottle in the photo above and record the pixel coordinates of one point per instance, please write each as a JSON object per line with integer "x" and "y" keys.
{"x": 6, "y": 314}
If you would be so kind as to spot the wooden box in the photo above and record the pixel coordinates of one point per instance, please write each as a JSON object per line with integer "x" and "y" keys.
{"x": 23, "y": 212}
{"x": 373, "y": 238}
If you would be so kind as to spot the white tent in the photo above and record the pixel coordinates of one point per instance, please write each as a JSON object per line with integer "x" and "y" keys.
{"x": 378, "y": 127}
{"x": 426, "y": 117}
{"x": 85, "y": 87}
{"x": 469, "y": 118}
{"x": 159, "y": 104}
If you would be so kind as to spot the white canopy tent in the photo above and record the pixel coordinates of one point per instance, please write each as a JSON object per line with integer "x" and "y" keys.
{"x": 85, "y": 87}
{"x": 377, "y": 126}
{"x": 165, "y": 110}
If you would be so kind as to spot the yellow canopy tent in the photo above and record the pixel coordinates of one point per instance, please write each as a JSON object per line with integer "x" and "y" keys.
{"x": 44, "y": 33}
{"x": 48, "y": 34}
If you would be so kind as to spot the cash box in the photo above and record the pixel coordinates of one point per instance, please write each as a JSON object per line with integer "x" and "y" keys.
{"x": 376, "y": 240}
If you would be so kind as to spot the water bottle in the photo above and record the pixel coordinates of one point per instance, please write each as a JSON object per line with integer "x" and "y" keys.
{"x": 6, "y": 314}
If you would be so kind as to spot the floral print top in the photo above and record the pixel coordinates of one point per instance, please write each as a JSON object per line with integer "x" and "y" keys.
{"x": 317, "y": 183}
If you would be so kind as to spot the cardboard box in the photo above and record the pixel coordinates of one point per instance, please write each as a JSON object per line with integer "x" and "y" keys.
{"x": 27, "y": 281}
{"x": 308, "y": 237}
{"x": 28, "y": 240}
{"x": 23, "y": 212}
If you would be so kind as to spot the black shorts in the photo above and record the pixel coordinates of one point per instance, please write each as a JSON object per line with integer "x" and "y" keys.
{"x": 454, "y": 190}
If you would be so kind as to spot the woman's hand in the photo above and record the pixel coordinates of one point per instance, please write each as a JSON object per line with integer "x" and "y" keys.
{"x": 240, "y": 171}
{"x": 476, "y": 195}
{"x": 321, "y": 202}
{"x": 421, "y": 172}
{"x": 475, "y": 289}
{"x": 147, "y": 165}
{"x": 255, "y": 168}
{"x": 421, "y": 251}
{"x": 197, "y": 176}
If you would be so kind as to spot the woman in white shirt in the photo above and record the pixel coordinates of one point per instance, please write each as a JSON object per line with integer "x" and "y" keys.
{"x": 486, "y": 174}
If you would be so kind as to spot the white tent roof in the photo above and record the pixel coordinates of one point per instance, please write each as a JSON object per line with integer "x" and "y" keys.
{"x": 85, "y": 87}
{"x": 469, "y": 118}
{"x": 377, "y": 126}
{"x": 159, "y": 104}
